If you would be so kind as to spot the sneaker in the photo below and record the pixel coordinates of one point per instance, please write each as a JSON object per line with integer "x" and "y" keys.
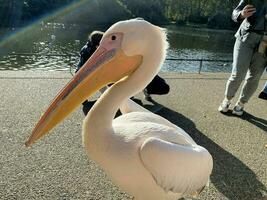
{"x": 147, "y": 96}
{"x": 263, "y": 95}
{"x": 238, "y": 110}
{"x": 224, "y": 107}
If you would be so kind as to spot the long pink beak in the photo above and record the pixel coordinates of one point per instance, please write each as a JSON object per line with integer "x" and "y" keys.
{"x": 106, "y": 65}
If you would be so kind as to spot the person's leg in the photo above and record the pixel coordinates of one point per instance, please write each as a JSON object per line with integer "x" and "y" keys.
{"x": 157, "y": 86}
{"x": 251, "y": 83}
{"x": 87, "y": 105}
{"x": 254, "y": 74}
{"x": 241, "y": 60}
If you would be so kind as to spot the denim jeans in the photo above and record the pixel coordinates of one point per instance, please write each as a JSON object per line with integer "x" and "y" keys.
{"x": 248, "y": 64}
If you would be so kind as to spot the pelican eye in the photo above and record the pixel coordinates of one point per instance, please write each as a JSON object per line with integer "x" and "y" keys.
{"x": 113, "y": 37}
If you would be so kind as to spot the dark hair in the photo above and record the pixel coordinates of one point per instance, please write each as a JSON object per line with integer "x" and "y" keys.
{"x": 95, "y": 37}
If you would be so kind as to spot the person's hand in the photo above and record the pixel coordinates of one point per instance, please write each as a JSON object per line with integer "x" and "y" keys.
{"x": 248, "y": 11}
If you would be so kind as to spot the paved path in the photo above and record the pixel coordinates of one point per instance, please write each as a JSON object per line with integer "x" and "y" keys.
{"x": 56, "y": 167}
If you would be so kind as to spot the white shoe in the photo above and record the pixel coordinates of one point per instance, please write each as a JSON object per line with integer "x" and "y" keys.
{"x": 238, "y": 110}
{"x": 224, "y": 107}
{"x": 147, "y": 96}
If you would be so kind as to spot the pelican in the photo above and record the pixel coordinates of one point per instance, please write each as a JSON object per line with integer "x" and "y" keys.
{"x": 144, "y": 154}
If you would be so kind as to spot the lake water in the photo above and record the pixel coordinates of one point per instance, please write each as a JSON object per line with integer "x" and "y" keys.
{"x": 61, "y": 40}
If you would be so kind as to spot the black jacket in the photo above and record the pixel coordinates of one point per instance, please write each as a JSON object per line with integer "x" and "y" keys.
{"x": 85, "y": 54}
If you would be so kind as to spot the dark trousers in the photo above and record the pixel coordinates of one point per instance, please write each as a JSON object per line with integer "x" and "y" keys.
{"x": 158, "y": 86}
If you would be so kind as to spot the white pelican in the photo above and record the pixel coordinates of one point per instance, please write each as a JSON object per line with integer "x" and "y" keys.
{"x": 143, "y": 153}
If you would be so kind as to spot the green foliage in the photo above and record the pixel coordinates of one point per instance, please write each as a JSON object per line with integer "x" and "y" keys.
{"x": 151, "y": 10}
{"x": 16, "y": 12}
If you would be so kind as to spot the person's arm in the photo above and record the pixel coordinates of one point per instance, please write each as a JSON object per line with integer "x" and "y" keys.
{"x": 242, "y": 11}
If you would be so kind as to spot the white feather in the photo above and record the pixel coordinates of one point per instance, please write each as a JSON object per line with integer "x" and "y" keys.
{"x": 144, "y": 154}
{"x": 177, "y": 168}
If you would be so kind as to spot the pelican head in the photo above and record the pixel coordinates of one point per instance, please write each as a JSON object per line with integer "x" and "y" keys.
{"x": 122, "y": 52}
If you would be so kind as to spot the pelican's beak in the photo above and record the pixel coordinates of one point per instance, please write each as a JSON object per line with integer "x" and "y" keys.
{"x": 107, "y": 65}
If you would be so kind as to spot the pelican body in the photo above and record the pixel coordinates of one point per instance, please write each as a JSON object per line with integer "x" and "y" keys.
{"x": 144, "y": 154}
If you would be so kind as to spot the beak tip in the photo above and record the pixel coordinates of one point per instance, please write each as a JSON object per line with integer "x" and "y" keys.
{"x": 28, "y": 144}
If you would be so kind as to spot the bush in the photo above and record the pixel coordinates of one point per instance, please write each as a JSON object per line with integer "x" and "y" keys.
{"x": 197, "y": 19}
{"x": 220, "y": 20}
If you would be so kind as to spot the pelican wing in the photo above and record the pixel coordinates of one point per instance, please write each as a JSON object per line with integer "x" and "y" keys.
{"x": 177, "y": 168}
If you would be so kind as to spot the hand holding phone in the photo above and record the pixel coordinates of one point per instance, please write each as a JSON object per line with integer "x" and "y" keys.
{"x": 248, "y": 11}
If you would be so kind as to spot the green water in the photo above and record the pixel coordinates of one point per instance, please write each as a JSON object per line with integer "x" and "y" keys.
{"x": 62, "y": 39}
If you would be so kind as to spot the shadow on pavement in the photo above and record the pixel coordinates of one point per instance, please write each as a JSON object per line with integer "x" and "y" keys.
{"x": 230, "y": 176}
{"x": 259, "y": 122}
{"x": 256, "y": 121}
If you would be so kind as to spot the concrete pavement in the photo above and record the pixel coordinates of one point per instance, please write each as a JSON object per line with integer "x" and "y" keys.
{"x": 56, "y": 167}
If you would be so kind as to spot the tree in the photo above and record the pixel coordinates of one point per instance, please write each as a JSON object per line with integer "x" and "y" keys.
{"x": 14, "y": 12}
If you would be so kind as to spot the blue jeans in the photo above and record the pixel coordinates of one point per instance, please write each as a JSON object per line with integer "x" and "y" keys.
{"x": 248, "y": 65}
